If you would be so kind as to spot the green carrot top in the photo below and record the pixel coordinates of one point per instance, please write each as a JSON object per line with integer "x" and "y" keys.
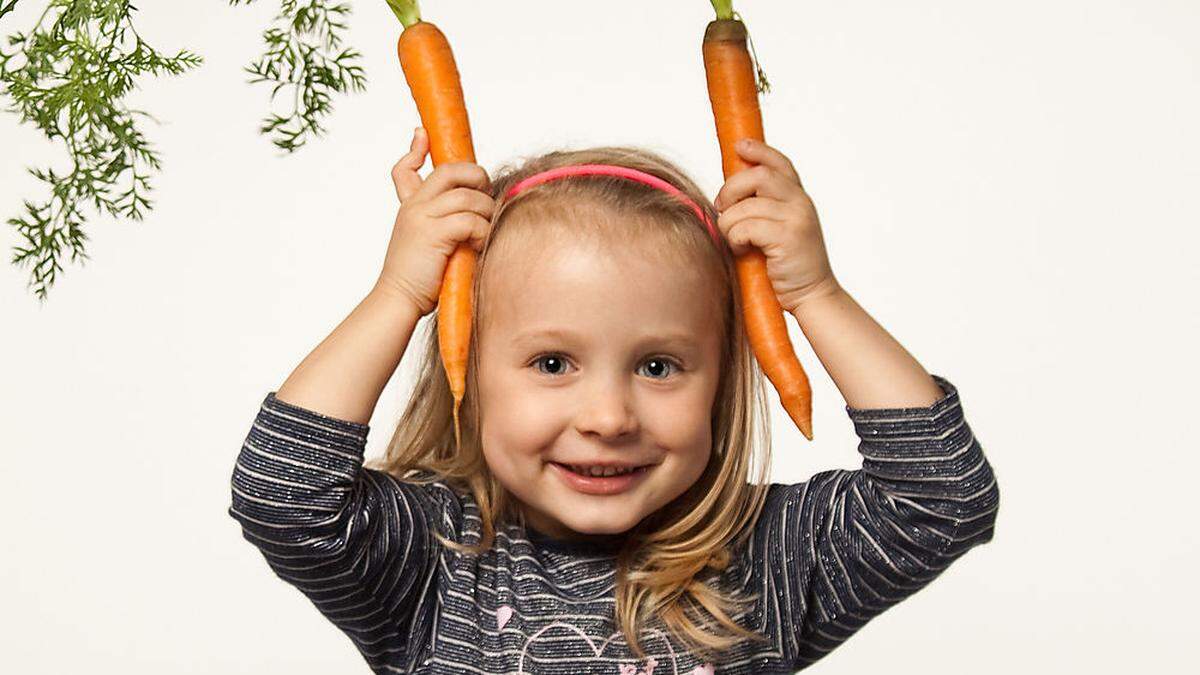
{"x": 406, "y": 10}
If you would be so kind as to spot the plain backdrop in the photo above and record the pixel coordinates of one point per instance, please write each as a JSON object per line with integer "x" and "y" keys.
{"x": 1010, "y": 188}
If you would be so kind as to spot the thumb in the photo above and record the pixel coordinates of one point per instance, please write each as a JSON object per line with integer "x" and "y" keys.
{"x": 404, "y": 173}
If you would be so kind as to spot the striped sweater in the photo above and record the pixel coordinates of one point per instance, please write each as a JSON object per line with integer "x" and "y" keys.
{"x": 825, "y": 556}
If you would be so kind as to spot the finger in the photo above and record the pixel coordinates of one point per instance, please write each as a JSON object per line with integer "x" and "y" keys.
{"x": 759, "y": 152}
{"x": 750, "y": 233}
{"x": 404, "y": 172}
{"x": 760, "y": 181}
{"x": 469, "y": 228}
{"x": 752, "y": 207}
{"x": 462, "y": 199}
{"x": 455, "y": 174}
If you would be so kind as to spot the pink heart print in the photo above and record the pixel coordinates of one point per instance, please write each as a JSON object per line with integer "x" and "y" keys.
{"x": 630, "y": 669}
{"x": 503, "y": 614}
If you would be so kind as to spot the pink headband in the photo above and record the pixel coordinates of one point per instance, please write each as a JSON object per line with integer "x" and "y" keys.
{"x": 613, "y": 170}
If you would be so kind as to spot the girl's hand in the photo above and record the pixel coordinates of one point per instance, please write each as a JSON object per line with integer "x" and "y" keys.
{"x": 766, "y": 207}
{"x": 454, "y": 204}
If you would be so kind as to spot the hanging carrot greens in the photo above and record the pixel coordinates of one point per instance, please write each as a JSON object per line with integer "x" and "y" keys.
{"x": 734, "y": 82}
{"x": 306, "y": 61}
{"x": 69, "y": 75}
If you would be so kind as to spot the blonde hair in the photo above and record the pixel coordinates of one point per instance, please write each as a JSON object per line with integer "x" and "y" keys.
{"x": 666, "y": 559}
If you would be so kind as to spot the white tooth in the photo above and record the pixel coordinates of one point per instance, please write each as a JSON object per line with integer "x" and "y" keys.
{"x": 597, "y": 471}
{"x": 612, "y": 471}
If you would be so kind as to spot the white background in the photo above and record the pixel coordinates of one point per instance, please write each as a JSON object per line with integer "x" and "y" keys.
{"x": 1008, "y": 187}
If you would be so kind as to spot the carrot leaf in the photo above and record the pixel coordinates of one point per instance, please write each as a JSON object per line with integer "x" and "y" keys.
{"x": 305, "y": 60}
{"x": 69, "y": 76}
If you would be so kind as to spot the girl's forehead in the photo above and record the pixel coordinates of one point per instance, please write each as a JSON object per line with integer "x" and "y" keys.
{"x": 583, "y": 285}
{"x": 597, "y": 271}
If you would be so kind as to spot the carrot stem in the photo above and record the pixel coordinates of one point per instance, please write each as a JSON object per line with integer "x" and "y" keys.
{"x": 406, "y": 10}
{"x": 724, "y": 8}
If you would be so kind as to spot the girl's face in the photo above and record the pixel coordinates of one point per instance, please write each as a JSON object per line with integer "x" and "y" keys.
{"x": 590, "y": 359}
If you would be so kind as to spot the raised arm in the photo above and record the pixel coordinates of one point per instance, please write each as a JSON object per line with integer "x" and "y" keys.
{"x": 355, "y": 541}
{"x": 841, "y": 548}
{"x": 846, "y": 545}
{"x": 358, "y": 542}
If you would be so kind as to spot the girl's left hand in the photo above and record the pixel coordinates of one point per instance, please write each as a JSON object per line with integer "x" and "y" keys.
{"x": 766, "y": 207}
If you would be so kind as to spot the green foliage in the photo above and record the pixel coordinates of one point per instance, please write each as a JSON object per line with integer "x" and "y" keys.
{"x": 305, "y": 60}
{"x": 69, "y": 75}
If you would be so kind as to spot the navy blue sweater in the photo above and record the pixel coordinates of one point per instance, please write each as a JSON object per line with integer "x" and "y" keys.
{"x": 825, "y": 556}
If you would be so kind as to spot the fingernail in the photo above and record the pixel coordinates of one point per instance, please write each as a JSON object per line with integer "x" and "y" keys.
{"x": 744, "y": 143}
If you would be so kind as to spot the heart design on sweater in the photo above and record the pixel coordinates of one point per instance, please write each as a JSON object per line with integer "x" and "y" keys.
{"x": 503, "y": 614}
{"x": 648, "y": 668}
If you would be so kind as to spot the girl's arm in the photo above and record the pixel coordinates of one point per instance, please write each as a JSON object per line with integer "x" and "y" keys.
{"x": 355, "y": 541}
{"x": 358, "y": 542}
{"x": 868, "y": 365}
{"x": 835, "y": 551}
{"x": 344, "y": 376}
{"x": 839, "y": 549}
{"x": 844, "y": 546}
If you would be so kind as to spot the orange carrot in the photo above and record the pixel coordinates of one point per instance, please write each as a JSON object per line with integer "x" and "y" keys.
{"x": 432, "y": 75}
{"x": 733, "y": 91}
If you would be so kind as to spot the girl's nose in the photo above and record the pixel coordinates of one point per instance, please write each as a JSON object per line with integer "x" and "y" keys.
{"x": 608, "y": 411}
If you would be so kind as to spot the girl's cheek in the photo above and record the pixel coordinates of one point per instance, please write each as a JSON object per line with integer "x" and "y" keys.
{"x": 520, "y": 420}
{"x": 683, "y": 421}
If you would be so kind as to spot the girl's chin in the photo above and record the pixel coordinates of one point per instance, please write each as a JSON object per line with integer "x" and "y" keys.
{"x": 591, "y": 531}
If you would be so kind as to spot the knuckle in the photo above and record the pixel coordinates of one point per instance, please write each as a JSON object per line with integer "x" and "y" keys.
{"x": 458, "y": 198}
{"x": 465, "y": 223}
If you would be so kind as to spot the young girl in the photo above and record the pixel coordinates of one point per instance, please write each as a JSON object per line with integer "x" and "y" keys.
{"x": 608, "y": 509}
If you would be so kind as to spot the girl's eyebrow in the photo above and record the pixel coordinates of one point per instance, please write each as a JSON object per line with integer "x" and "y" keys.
{"x": 545, "y": 333}
{"x": 682, "y": 340}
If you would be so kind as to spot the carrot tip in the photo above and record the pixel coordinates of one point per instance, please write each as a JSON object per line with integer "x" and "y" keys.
{"x": 457, "y": 433}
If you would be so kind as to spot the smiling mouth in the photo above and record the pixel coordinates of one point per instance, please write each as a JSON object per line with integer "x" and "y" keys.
{"x": 597, "y": 471}
{"x": 601, "y": 484}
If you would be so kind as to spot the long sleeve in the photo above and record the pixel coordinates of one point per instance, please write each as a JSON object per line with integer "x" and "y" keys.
{"x": 846, "y": 545}
{"x": 355, "y": 541}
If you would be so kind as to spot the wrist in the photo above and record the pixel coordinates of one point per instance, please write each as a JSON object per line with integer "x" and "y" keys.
{"x": 395, "y": 298}
{"x": 818, "y": 296}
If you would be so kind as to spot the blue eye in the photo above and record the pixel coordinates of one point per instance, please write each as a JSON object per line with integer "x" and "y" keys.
{"x": 550, "y": 358}
{"x": 662, "y": 364}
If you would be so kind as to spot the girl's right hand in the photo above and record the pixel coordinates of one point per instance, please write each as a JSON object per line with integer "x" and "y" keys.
{"x": 452, "y": 205}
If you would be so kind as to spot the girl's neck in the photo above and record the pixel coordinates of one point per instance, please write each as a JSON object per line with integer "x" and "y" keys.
{"x": 599, "y": 544}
